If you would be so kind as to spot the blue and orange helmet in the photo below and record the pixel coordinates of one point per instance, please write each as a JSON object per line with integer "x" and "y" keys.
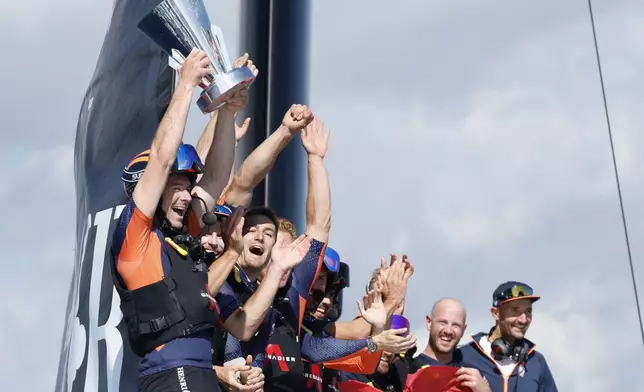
{"x": 339, "y": 277}
{"x": 187, "y": 162}
{"x": 338, "y": 280}
{"x": 331, "y": 260}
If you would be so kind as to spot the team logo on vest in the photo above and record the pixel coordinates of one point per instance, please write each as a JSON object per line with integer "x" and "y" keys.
{"x": 274, "y": 353}
{"x": 314, "y": 376}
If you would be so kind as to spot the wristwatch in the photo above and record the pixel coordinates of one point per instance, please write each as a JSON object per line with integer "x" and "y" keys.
{"x": 372, "y": 347}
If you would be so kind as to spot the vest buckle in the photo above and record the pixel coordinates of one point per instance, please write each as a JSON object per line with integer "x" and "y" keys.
{"x": 157, "y": 324}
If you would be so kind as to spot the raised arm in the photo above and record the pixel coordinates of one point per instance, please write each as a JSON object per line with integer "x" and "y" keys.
{"x": 167, "y": 139}
{"x": 220, "y": 268}
{"x": 315, "y": 139}
{"x": 262, "y": 159}
{"x": 394, "y": 281}
{"x": 205, "y": 140}
{"x": 347, "y": 355}
{"x": 245, "y": 320}
{"x": 220, "y": 156}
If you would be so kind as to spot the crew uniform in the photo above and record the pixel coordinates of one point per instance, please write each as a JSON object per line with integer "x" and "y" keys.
{"x": 521, "y": 368}
{"x": 394, "y": 380}
{"x": 168, "y": 310}
{"x": 324, "y": 356}
{"x": 423, "y": 360}
{"x": 275, "y": 347}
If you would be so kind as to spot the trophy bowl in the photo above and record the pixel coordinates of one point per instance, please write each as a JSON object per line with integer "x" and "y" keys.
{"x": 177, "y": 27}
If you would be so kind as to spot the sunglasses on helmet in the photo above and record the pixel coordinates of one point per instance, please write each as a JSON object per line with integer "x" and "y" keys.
{"x": 187, "y": 161}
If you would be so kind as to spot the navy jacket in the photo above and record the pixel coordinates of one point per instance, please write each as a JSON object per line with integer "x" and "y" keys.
{"x": 536, "y": 378}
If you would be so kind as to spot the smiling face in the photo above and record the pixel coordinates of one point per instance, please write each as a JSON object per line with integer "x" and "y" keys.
{"x": 284, "y": 238}
{"x": 258, "y": 241}
{"x": 446, "y": 326}
{"x": 513, "y": 318}
{"x": 319, "y": 310}
{"x": 175, "y": 199}
{"x": 385, "y": 362}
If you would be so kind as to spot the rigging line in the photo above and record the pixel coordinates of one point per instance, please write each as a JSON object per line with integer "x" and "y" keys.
{"x": 619, "y": 188}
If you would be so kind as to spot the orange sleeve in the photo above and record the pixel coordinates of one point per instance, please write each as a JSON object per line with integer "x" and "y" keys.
{"x": 139, "y": 256}
{"x": 360, "y": 362}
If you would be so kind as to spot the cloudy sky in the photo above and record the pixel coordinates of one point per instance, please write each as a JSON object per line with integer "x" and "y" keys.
{"x": 477, "y": 132}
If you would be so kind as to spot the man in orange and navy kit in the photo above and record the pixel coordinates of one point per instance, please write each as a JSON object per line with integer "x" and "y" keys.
{"x": 166, "y": 291}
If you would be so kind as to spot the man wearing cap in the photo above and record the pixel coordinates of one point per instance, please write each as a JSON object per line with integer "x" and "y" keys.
{"x": 507, "y": 360}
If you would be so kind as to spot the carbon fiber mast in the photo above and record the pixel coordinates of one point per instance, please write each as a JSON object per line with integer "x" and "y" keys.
{"x": 276, "y": 35}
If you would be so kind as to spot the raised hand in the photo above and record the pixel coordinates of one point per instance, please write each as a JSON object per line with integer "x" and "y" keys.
{"x": 244, "y": 60}
{"x": 373, "y": 311}
{"x": 315, "y": 138}
{"x": 391, "y": 341}
{"x": 232, "y": 230}
{"x": 240, "y": 131}
{"x": 395, "y": 284}
{"x": 237, "y": 101}
{"x": 194, "y": 68}
{"x": 288, "y": 256}
{"x": 297, "y": 118}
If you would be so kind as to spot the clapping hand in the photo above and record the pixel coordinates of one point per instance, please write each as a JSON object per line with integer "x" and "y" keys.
{"x": 373, "y": 310}
{"x": 285, "y": 257}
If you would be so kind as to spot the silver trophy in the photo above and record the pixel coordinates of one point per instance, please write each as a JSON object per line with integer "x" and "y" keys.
{"x": 178, "y": 26}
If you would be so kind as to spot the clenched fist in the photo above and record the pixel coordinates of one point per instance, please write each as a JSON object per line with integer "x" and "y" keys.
{"x": 297, "y": 118}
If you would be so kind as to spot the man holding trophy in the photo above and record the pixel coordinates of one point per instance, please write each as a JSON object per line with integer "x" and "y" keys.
{"x": 165, "y": 287}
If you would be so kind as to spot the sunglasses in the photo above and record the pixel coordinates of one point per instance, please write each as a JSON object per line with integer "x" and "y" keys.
{"x": 223, "y": 210}
{"x": 187, "y": 160}
{"x": 516, "y": 291}
{"x": 331, "y": 264}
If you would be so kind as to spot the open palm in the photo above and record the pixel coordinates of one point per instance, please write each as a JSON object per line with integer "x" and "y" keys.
{"x": 287, "y": 257}
{"x": 373, "y": 311}
{"x": 315, "y": 138}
